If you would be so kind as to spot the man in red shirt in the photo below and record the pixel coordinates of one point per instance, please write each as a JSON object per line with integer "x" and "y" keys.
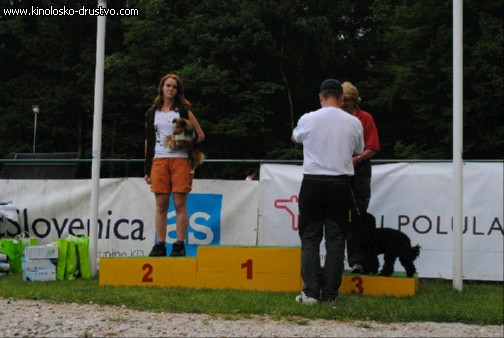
{"x": 362, "y": 167}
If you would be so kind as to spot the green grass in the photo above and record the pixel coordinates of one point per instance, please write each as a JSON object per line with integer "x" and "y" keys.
{"x": 479, "y": 303}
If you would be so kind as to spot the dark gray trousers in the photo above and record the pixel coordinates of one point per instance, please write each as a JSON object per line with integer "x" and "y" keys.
{"x": 326, "y": 208}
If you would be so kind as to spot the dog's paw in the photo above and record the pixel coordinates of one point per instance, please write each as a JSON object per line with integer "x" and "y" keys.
{"x": 386, "y": 273}
{"x": 369, "y": 272}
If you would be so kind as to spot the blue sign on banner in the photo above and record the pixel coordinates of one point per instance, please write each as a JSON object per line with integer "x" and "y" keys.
{"x": 204, "y": 211}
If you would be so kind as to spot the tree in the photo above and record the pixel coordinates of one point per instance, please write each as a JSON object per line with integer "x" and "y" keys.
{"x": 45, "y": 62}
{"x": 411, "y": 79}
{"x": 251, "y": 69}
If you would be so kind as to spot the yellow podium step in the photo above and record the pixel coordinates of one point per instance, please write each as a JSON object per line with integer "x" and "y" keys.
{"x": 396, "y": 285}
{"x": 249, "y": 268}
{"x": 148, "y": 271}
{"x": 246, "y": 268}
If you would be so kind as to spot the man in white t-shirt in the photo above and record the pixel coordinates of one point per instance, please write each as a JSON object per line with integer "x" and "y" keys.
{"x": 326, "y": 205}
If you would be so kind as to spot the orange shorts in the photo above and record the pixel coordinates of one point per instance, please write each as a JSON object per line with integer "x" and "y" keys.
{"x": 171, "y": 175}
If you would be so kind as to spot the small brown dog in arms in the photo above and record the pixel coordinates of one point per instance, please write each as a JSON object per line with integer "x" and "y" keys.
{"x": 184, "y": 137}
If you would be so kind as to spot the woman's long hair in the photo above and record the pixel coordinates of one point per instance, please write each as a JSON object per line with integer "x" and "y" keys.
{"x": 180, "y": 101}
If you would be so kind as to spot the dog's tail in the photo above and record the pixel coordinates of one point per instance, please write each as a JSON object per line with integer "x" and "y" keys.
{"x": 416, "y": 251}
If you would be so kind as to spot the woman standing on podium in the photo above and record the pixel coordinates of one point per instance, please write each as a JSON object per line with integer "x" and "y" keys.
{"x": 168, "y": 171}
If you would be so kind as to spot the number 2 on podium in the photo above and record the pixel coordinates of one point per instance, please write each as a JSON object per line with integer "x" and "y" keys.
{"x": 147, "y": 276}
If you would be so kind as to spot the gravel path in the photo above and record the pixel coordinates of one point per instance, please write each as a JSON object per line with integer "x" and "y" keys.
{"x": 25, "y": 318}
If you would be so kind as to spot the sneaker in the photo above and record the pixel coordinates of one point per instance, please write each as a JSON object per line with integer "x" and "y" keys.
{"x": 357, "y": 268}
{"x": 178, "y": 249}
{"x": 158, "y": 250}
{"x": 302, "y": 298}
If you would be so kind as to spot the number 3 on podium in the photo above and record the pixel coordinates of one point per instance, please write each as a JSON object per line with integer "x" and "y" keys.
{"x": 358, "y": 284}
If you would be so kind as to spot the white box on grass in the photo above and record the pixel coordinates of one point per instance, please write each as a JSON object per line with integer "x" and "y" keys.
{"x": 39, "y": 269}
{"x": 41, "y": 251}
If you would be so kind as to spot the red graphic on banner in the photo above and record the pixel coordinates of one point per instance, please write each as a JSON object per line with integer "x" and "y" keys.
{"x": 291, "y": 206}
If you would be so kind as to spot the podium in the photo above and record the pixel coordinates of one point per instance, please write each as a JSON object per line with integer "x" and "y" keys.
{"x": 244, "y": 268}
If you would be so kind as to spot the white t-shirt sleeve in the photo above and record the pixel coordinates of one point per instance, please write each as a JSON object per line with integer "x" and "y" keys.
{"x": 300, "y": 131}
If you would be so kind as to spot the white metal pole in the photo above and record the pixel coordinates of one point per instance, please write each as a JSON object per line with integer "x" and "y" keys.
{"x": 34, "y": 131}
{"x": 458, "y": 215}
{"x": 97, "y": 131}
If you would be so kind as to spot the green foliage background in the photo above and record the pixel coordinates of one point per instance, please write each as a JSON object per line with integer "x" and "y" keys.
{"x": 251, "y": 69}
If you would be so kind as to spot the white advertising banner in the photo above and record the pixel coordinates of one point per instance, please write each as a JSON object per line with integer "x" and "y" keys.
{"x": 415, "y": 198}
{"x": 220, "y": 213}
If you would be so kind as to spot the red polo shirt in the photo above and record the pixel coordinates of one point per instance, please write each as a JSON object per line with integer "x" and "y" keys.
{"x": 371, "y": 139}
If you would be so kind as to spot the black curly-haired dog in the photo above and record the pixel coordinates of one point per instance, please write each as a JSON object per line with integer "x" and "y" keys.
{"x": 391, "y": 243}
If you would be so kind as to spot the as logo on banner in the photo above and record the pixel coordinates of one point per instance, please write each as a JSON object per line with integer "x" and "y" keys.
{"x": 204, "y": 212}
{"x": 291, "y": 207}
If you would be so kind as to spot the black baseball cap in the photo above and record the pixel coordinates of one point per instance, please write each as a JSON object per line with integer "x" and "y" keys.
{"x": 331, "y": 84}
